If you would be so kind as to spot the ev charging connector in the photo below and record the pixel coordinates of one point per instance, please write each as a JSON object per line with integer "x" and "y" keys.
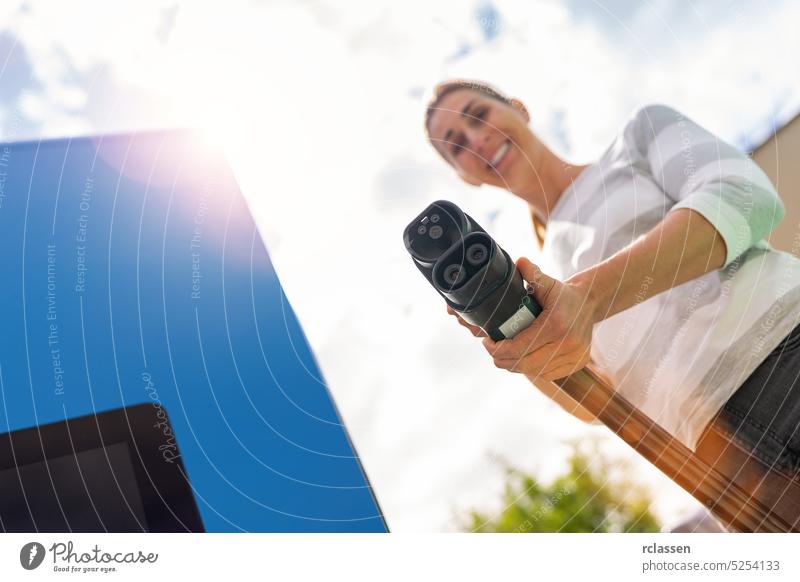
{"x": 473, "y": 274}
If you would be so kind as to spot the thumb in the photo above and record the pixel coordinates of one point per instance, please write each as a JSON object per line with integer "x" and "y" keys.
{"x": 540, "y": 283}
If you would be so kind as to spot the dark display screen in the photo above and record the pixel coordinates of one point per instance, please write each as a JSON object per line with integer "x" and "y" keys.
{"x": 90, "y": 491}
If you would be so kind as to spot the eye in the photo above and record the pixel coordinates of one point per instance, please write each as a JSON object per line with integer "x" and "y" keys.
{"x": 479, "y": 114}
{"x": 458, "y": 145}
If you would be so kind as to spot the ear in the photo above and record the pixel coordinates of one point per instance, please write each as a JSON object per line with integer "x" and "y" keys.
{"x": 468, "y": 178}
{"x": 520, "y": 106}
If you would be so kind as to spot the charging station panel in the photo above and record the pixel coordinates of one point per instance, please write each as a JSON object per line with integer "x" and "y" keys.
{"x": 134, "y": 273}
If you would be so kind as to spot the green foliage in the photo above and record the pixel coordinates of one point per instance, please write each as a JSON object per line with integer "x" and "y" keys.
{"x": 590, "y": 497}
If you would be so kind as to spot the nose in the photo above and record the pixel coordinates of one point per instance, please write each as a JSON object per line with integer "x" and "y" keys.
{"x": 479, "y": 139}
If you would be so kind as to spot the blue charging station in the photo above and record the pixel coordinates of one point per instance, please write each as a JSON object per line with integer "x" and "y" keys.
{"x": 133, "y": 273}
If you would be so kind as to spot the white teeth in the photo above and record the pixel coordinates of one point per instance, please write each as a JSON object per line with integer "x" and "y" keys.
{"x": 501, "y": 151}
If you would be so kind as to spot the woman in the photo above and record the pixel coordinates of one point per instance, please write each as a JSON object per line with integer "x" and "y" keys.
{"x": 660, "y": 272}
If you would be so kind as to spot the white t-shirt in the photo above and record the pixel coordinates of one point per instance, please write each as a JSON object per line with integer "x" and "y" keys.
{"x": 678, "y": 356}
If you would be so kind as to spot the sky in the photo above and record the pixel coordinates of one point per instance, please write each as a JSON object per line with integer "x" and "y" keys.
{"x": 319, "y": 105}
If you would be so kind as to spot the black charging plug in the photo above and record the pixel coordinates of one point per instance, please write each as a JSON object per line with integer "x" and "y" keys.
{"x": 474, "y": 275}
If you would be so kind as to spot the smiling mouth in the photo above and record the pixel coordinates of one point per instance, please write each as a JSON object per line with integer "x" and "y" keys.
{"x": 499, "y": 155}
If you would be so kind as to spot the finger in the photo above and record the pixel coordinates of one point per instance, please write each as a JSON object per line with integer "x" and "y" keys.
{"x": 527, "y": 366}
{"x": 566, "y": 364}
{"x": 503, "y": 349}
{"x": 541, "y": 283}
{"x": 474, "y": 329}
{"x": 489, "y": 344}
{"x": 546, "y": 360}
{"x": 533, "y": 363}
{"x": 561, "y": 371}
{"x": 539, "y": 333}
{"x": 492, "y": 346}
{"x": 525, "y": 342}
{"x": 517, "y": 366}
{"x": 541, "y": 356}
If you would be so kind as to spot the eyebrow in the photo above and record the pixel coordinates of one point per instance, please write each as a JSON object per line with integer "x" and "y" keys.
{"x": 464, "y": 113}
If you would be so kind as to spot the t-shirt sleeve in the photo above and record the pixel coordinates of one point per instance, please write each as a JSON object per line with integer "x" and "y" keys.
{"x": 697, "y": 170}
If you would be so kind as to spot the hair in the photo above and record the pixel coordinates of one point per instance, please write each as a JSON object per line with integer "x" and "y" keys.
{"x": 442, "y": 90}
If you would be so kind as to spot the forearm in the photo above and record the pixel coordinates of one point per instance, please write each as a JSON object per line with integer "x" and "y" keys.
{"x": 680, "y": 248}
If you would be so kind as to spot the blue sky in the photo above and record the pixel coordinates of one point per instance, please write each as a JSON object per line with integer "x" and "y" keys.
{"x": 320, "y": 104}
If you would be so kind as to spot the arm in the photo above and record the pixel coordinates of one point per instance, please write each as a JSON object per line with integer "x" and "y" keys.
{"x": 700, "y": 172}
{"x": 557, "y": 349}
{"x": 615, "y": 284}
{"x": 724, "y": 205}
{"x": 680, "y": 248}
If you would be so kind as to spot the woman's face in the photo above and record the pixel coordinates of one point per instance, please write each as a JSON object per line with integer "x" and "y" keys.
{"x": 486, "y": 141}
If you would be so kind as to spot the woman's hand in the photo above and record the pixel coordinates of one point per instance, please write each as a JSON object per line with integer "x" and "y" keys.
{"x": 558, "y": 342}
{"x": 545, "y": 290}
